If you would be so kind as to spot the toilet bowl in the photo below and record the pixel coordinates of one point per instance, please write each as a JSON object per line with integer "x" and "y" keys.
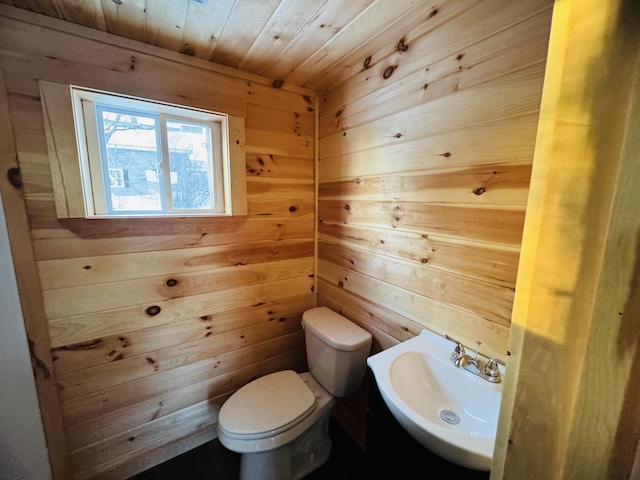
{"x": 279, "y": 422}
{"x": 293, "y": 440}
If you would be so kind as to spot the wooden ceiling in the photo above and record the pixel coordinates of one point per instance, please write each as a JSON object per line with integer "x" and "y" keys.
{"x": 311, "y": 43}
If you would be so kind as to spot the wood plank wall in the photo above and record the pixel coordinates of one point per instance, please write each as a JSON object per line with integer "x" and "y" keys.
{"x": 425, "y": 153}
{"x": 136, "y": 389}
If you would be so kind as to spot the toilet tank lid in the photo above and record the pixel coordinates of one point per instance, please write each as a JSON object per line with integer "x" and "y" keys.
{"x": 336, "y": 330}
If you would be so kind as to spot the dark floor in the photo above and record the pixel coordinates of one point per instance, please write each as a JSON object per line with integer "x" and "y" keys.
{"x": 212, "y": 461}
{"x": 391, "y": 453}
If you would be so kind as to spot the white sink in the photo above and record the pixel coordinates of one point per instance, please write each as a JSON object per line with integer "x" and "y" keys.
{"x": 450, "y": 411}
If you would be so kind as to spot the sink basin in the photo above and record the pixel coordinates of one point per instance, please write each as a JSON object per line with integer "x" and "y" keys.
{"x": 450, "y": 411}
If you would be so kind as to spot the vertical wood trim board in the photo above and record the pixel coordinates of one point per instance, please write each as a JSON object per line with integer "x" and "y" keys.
{"x": 569, "y": 409}
{"x": 30, "y": 296}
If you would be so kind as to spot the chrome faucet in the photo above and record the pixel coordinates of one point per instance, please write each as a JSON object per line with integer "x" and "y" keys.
{"x": 461, "y": 359}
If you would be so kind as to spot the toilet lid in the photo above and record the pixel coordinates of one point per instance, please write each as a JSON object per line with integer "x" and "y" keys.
{"x": 267, "y": 403}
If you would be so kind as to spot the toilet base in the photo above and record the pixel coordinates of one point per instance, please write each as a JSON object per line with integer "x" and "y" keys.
{"x": 293, "y": 460}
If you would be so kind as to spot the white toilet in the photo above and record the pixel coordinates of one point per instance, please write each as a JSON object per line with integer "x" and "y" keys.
{"x": 279, "y": 423}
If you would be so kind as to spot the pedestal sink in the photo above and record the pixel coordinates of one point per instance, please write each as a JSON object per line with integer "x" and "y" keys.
{"x": 450, "y": 411}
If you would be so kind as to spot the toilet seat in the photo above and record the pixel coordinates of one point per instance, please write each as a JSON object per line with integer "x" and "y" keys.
{"x": 267, "y": 406}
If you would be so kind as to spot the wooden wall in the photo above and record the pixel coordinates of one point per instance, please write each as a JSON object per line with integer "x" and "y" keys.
{"x": 425, "y": 151}
{"x": 425, "y": 148}
{"x": 425, "y": 154}
{"x": 122, "y": 390}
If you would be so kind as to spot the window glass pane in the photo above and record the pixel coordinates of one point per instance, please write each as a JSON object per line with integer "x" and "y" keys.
{"x": 133, "y": 173}
{"x": 144, "y": 158}
{"x": 189, "y": 147}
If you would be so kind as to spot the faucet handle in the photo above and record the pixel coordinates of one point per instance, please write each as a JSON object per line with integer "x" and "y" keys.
{"x": 457, "y": 354}
{"x": 491, "y": 369}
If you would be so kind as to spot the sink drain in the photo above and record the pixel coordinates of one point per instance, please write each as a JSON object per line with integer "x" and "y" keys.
{"x": 450, "y": 417}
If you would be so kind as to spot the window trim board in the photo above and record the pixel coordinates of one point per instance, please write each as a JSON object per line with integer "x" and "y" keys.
{"x": 65, "y": 161}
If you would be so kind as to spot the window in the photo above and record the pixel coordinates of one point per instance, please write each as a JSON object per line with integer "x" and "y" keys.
{"x": 145, "y": 158}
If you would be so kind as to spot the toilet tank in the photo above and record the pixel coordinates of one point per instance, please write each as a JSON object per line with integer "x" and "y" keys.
{"x": 337, "y": 350}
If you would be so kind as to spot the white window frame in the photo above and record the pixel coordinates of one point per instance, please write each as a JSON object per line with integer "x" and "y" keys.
{"x": 91, "y": 165}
